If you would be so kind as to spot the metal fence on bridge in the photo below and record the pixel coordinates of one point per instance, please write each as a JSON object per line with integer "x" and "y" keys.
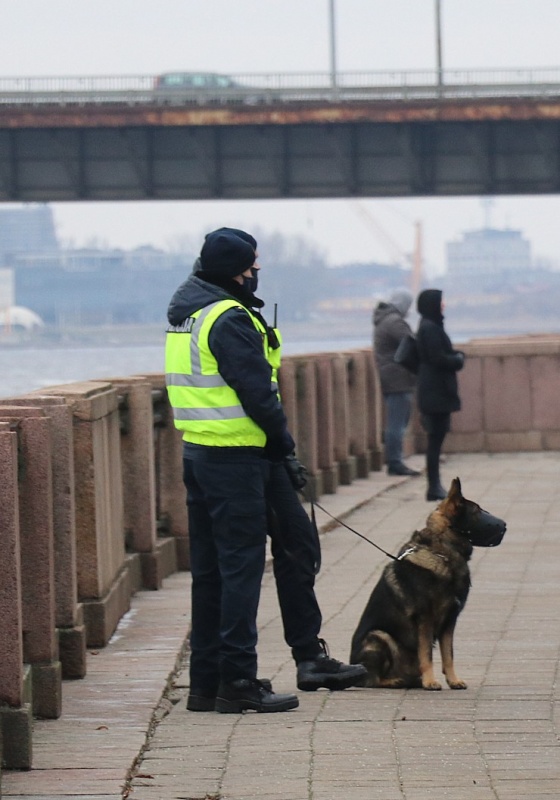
{"x": 270, "y": 89}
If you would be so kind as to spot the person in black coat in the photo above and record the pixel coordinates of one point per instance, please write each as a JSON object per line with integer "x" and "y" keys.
{"x": 436, "y": 388}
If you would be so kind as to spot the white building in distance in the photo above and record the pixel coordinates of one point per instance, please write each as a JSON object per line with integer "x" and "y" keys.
{"x": 488, "y": 256}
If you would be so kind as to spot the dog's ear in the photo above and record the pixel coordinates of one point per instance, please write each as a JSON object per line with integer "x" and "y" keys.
{"x": 454, "y": 499}
{"x": 456, "y": 486}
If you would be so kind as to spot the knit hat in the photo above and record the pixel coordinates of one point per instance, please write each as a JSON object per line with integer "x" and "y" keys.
{"x": 225, "y": 255}
{"x": 402, "y": 300}
{"x": 242, "y": 235}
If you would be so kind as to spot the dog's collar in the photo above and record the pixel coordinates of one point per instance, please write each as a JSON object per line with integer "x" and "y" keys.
{"x": 406, "y": 553}
{"x": 415, "y": 549}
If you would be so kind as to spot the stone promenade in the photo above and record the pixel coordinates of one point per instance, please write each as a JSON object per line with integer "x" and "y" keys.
{"x": 125, "y": 731}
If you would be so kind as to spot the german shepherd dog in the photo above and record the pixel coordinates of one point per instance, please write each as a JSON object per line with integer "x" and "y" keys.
{"x": 420, "y": 595}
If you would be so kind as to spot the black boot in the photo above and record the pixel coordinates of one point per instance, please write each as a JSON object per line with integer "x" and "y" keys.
{"x": 436, "y": 492}
{"x": 201, "y": 700}
{"x": 324, "y": 672}
{"x": 204, "y": 700}
{"x": 248, "y": 694}
{"x": 435, "y": 489}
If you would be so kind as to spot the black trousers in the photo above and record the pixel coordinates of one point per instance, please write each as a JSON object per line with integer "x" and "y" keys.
{"x": 227, "y": 533}
{"x": 296, "y": 552}
{"x": 437, "y": 427}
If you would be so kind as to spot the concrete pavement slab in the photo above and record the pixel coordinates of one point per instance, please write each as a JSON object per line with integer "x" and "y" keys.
{"x": 496, "y": 740}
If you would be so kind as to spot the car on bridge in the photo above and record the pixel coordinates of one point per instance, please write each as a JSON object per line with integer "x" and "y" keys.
{"x": 202, "y": 88}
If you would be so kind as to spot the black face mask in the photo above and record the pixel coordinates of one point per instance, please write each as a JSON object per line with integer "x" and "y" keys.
{"x": 250, "y": 284}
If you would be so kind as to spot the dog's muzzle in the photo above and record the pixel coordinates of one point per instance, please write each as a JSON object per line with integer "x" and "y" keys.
{"x": 483, "y": 529}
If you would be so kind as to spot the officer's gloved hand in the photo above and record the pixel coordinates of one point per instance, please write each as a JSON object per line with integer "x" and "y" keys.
{"x": 277, "y": 448}
{"x": 297, "y": 473}
{"x": 459, "y": 359}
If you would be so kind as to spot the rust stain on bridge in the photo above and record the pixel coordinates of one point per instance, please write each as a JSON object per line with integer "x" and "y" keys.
{"x": 116, "y": 116}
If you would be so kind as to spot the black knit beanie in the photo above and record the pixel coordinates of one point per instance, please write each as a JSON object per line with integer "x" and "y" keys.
{"x": 242, "y": 235}
{"x": 225, "y": 255}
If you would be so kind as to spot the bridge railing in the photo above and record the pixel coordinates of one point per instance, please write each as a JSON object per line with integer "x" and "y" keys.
{"x": 93, "y": 507}
{"x": 260, "y": 88}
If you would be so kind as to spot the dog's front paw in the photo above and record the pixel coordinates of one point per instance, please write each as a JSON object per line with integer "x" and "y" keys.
{"x": 431, "y": 686}
{"x": 457, "y": 684}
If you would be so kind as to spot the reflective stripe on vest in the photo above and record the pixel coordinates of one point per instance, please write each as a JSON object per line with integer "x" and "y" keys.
{"x": 205, "y": 407}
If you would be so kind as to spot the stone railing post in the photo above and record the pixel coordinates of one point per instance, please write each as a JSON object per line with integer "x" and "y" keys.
{"x": 359, "y": 418}
{"x": 106, "y": 577}
{"x": 170, "y": 490}
{"x": 15, "y": 677}
{"x": 288, "y": 394}
{"x": 158, "y": 557}
{"x": 306, "y": 414}
{"x": 374, "y": 403}
{"x": 40, "y": 643}
{"x": 69, "y": 613}
{"x": 346, "y": 462}
{"x": 326, "y": 415}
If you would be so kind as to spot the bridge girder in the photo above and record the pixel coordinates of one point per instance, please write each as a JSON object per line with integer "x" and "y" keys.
{"x": 320, "y": 150}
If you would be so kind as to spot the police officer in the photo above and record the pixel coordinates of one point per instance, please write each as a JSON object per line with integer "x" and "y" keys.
{"x": 221, "y": 362}
{"x": 220, "y": 388}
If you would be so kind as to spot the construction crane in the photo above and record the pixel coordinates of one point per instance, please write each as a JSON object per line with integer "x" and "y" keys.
{"x": 412, "y": 263}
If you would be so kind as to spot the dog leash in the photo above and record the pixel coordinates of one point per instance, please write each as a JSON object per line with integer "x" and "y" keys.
{"x": 340, "y": 522}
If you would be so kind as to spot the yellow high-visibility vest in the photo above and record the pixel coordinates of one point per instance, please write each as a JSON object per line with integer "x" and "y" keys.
{"x": 205, "y": 408}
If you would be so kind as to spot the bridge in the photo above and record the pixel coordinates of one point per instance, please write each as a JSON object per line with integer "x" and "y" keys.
{"x": 390, "y": 134}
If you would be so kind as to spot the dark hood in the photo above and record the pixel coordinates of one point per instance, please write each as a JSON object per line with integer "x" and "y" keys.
{"x": 196, "y": 293}
{"x": 429, "y": 305}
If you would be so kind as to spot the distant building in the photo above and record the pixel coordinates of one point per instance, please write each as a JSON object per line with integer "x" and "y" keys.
{"x": 488, "y": 257}
{"x": 26, "y": 229}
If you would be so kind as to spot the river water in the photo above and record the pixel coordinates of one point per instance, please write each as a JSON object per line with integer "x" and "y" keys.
{"x": 26, "y": 369}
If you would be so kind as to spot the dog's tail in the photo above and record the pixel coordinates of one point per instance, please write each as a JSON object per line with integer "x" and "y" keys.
{"x": 379, "y": 653}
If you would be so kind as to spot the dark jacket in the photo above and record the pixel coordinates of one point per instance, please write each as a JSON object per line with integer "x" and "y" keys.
{"x": 389, "y": 327}
{"x": 436, "y": 391}
{"x": 238, "y": 348}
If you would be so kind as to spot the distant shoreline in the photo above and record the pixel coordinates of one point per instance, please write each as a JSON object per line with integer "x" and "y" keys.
{"x": 335, "y": 330}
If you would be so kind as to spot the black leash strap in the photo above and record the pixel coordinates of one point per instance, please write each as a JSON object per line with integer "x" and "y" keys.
{"x": 340, "y": 522}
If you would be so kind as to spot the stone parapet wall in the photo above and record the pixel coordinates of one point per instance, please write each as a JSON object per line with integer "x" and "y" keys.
{"x": 509, "y": 392}
{"x": 78, "y": 524}
{"x": 333, "y": 407}
{"x": 93, "y": 504}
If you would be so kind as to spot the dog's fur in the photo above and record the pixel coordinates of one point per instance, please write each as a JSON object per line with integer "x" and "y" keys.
{"x": 419, "y": 597}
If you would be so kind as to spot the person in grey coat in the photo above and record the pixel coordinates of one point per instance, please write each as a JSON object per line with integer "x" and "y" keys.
{"x": 397, "y": 382}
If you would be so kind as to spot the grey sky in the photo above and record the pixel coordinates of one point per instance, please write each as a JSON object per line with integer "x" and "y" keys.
{"x": 103, "y": 37}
